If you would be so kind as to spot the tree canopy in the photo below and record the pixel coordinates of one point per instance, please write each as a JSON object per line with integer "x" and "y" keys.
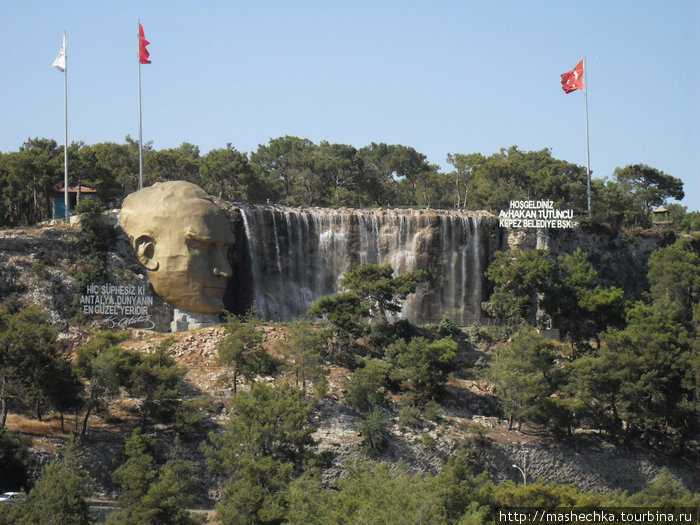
{"x": 644, "y": 188}
{"x": 296, "y": 171}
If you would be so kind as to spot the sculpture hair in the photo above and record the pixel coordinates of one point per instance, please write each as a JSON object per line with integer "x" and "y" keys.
{"x": 145, "y": 210}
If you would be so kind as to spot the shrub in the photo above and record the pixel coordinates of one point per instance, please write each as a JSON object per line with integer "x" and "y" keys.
{"x": 375, "y": 433}
{"x": 447, "y": 327}
{"x": 432, "y": 412}
{"x": 410, "y": 417}
{"x": 365, "y": 387}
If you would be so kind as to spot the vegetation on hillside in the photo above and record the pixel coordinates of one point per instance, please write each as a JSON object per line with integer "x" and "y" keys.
{"x": 628, "y": 372}
{"x": 633, "y": 368}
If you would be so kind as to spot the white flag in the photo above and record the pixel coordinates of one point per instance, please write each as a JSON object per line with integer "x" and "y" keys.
{"x": 60, "y": 62}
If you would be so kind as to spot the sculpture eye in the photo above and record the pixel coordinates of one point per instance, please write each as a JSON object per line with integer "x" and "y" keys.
{"x": 196, "y": 246}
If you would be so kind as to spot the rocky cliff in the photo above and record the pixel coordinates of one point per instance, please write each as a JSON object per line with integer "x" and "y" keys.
{"x": 286, "y": 258}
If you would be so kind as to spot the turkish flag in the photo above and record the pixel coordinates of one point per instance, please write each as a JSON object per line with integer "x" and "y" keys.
{"x": 573, "y": 80}
{"x": 143, "y": 52}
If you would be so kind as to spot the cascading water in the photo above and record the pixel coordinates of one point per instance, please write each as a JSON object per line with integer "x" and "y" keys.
{"x": 299, "y": 255}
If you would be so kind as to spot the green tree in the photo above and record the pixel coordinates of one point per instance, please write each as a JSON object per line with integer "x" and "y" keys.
{"x": 63, "y": 389}
{"x": 435, "y": 190}
{"x": 647, "y": 188}
{"x": 369, "y": 493}
{"x": 464, "y": 171}
{"x": 29, "y": 355}
{"x": 265, "y": 421}
{"x": 112, "y": 169}
{"x": 153, "y": 493}
{"x": 514, "y": 174}
{"x": 603, "y": 308}
{"x": 690, "y": 222}
{"x": 374, "y": 432}
{"x": 343, "y": 310}
{"x": 339, "y": 166}
{"x": 106, "y": 368}
{"x": 517, "y": 279}
{"x": 644, "y": 376}
{"x": 169, "y": 497}
{"x": 464, "y": 496}
{"x": 257, "y": 494}
{"x": 304, "y": 347}
{"x": 658, "y": 392}
{"x": 226, "y": 172}
{"x": 578, "y": 304}
{"x": 379, "y": 169}
{"x": 309, "y": 503}
{"x": 61, "y": 494}
{"x": 421, "y": 367}
{"x": 157, "y": 379}
{"x": 522, "y": 375}
{"x": 674, "y": 272}
{"x": 181, "y": 163}
{"x": 96, "y": 237}
{"x": 84, "y": 164}
{"x": 591, "y": 386}
{"x": 543, "y": 495}
{"x": 678, "y": 214}
{"x": 411, "y": 168}
{"x": 30, "y": 176}
{"x": 135, "y": 473}
{"x": 393, "y": 174}
{"x": 665, "y": 491}
{"x": 366, "y": 387}
{"x": 190, "y": 415}
{"x": 13, "y": 455}
{"x": 286, "y": 169}
{"x": 238, "y": 349}
{"x": 264, "y": 444}
{"x": 381, "y": 292}
{"x": 611, "y": 205}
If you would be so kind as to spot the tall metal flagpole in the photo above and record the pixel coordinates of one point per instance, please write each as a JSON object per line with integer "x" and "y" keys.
{"x": 66, "y": 200}
{"x": 140, "y": 130}
{"x": 588, "y": 156}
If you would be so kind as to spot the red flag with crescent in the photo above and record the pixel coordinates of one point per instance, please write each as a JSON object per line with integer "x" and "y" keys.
{"x": 143, "y": 52}
{"x": 573, "y": 80}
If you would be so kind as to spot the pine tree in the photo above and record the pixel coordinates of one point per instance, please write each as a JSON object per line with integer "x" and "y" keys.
{"x": 61, "y": 494}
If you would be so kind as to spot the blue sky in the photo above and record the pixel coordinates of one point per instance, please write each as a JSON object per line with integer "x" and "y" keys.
{"x": 440, "y": 76}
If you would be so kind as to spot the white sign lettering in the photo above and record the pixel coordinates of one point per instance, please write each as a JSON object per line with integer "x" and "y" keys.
{"x": 536, "y": 214}
{"x": 123, "y": 305}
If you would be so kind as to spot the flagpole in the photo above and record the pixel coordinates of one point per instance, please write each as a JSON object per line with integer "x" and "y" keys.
{"x": 66, "y": 200}
{"x": 588, "y": 155}
{"x": 140, "y": 128}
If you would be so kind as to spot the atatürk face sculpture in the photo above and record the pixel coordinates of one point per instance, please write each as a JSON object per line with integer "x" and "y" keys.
{"x": 181, "y": 237}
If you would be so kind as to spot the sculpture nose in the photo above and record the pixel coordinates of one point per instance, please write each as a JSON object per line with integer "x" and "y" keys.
{"x": 222, "y": 268}
{"x": 226, "y": 272}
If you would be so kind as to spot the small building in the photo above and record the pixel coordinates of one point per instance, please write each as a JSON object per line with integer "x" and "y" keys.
{"x": 75, "y": 195}
{"x": 661, "y": 217}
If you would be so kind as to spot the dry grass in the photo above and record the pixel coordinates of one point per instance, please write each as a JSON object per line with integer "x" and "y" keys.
{"x": 121, "y": 415}
{"x": 50, "y": 426}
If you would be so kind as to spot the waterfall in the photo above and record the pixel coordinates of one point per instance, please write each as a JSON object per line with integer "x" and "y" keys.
{"x": 299, "y": 255}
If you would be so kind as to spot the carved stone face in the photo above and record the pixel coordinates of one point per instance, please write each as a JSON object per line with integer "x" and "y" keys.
{"x": 182, "y": 238}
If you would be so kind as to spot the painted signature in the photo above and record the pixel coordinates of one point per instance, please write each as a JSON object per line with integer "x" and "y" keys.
{"x": 113, "y": 321}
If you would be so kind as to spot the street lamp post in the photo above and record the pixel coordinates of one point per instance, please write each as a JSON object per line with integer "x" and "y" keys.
{"x": 522, "y": 472}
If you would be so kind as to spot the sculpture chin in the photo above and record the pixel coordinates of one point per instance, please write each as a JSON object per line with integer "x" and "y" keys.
{"x": 194, "y": 297}
{"x": 212, "y": 307}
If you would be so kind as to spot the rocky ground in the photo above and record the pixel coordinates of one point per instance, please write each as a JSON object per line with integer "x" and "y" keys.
{"x": 584, "y": 459}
